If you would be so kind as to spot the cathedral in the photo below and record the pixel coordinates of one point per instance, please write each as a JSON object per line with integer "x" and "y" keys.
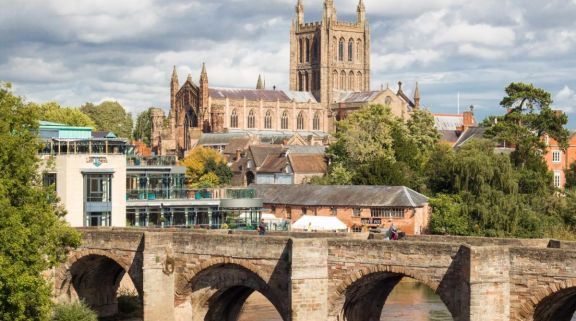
{"x": 329, "y": 78}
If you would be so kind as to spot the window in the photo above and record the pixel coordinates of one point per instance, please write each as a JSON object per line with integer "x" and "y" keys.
{"x": 98, "y": 219}
{"x": 351, "y": 82}
{"x": 556, "y": 155}
{"x": 284, "y": 121}
{"x": 356, "y": 212}
{"x": 98, "y": 188}
{"x": 288, "y": 213}
{"x": 387, "y": 212}
{"x": 335, "y": 79}
{"x": 316, "y": 122}
{"x": 268, "y": 120}
{"x": 234, "y": 119}
{"x": 304, "y": 210}
{"x": 341, "y": 50}
{"x": 342, "y": 80}
{"x": 350, "y": 50}
{"x": 49, "y": 179}
{"x": 251, "y": 119}
{"x": 359, "y": 50}
{"x": 334, "y": 211}
{"x": 557, "y": 178}
{"x": 301, "y": 51}
{"x": 359, "y": 81}
{"x": 307, "y": 50}
{"x": 300, "y": 121}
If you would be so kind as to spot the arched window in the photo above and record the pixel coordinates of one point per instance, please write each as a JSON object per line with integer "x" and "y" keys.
{"x": 335, "y": 79}
{"x": 300, "y": 81}
{"x": 359, "y": 50}
{"x": 306, "y": 81}
{"x": 234, "y": 119}
{"x": 268, "y": 120}
{"x": 351, "y": 82}
{"x": 314, "y": 50}
{"x": 300, "y": 121}
{"x": 341, "y": 50}
{"x": 360, "y": 81}
{"x": 307, "y": 50}
{"x": 284, "y": 120}
{"x": 300, "y": 51}
{"x": 388, "y": 100}
{"x": 251, "y": 119}
{"x": 342, "y": 80}
{"x": 350, "y": 50}
{"x": 335, "y": 48}
{"x": 316, "y": 121}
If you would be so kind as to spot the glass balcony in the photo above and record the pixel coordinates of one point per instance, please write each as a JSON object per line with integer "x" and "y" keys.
{"x": 171, "y": 193}
{"x": 134, "y": 161}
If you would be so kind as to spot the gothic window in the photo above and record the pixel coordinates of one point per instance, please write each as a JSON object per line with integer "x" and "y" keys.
{"x": 300, "y": 51}
{"x": 341, "y": 50}
{"x": 350, "y": 50}
{"x": 315, "y": 43}
{"x": 307, "y": 50}
{"x": 388, "y": 100}
{"x": 359, "y": 51}
{"x": 300, "y": 81}
{"x": 335, "y": 79}
{"x": 284, "y": 120}
{"x": 306, "y": 81}
{"x": 351, "y": 82}
{"x": 316, "y": 122}
{"x": 234, "y": 119}
{"x": 300, "y": 121}
{"x": 268, "y": 120}
{"x": 359, "y": 80}
{"x": 335, "y": 48}
{"x": 251, "y": 119}
{"x": 342, "y": 80}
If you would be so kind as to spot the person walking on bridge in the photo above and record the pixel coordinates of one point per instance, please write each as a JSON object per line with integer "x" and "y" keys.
{"x": 262, "y": 228}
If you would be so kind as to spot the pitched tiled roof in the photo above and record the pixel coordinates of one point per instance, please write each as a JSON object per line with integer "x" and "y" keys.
{"x": 275, "y": 162}
{"x": 450, "y": 136}
{"x": 340, "y": 195}
{"x": 264, "y": 94}
{"x": 260, "y": 152}
{"x": 448, "y": 122}
{"x": 355, "y": 97}
{"x": 236, "y": 143}
{"x": 219, "y": 139}
{"x": 468, "y": 134}
{"x": 308, "y": 163}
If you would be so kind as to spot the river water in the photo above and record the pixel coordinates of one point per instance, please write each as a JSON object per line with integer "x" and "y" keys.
{"x": 409, "y": 301}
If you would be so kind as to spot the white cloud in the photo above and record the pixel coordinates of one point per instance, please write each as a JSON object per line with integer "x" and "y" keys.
{"x": 565, "y": 100}
{"x": 480, "y": 52}
{"x": 395, "y": 61}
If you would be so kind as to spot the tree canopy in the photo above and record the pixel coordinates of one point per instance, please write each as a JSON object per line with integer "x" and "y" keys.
{"x": 206, "y": 168}
{"x": 52, "y": 111}
{"x": 110, "y": 116}
{"x": 143, "y": 127}
{"x": 33, "y": 234}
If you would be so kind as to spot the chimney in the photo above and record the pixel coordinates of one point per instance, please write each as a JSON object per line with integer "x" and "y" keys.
{"x": 468, "y": 118}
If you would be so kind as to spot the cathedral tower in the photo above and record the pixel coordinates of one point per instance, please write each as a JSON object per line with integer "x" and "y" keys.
{"x": 329, "y": 55}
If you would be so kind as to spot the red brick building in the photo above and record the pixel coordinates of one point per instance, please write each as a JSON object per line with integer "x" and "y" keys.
{"x": 559, "y": 160}
{"x": 359, "y": 207}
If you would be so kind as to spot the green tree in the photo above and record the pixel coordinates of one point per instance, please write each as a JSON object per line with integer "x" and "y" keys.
{"x": 447, "y": 216}
{"x": 205, "y": 167}
{"x": 110, "y": 116}
{"x": 69, "y": 116}
{"x": 422, "y": 129}
{"x": 143, "y": 127}
{"x": 74, "y": 311}
{"x": 33, "y": 234}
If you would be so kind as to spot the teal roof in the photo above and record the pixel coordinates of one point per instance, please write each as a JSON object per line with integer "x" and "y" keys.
{"x": 56, "y": 130}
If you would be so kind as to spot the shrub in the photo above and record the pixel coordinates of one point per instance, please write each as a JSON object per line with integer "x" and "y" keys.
{"x": 75, "y": 311}
{"x": 128, "y": 302}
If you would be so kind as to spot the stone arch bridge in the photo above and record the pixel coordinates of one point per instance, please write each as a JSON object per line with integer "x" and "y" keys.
{"x": 193, "y": 276}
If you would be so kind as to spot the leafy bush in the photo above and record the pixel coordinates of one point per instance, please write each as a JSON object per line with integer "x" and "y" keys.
{"x": 75, "y": 311}
{"x": 128, "y": 302}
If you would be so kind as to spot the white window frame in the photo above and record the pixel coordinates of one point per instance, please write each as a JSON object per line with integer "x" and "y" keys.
{"x": 556, "y": 156}
{"x": 557, "y": 179}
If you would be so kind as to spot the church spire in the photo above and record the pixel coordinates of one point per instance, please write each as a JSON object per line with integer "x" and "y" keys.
{"x": 259, "y": 84}
{"x": 300, "y": 12}
{"x": 416, "y": 97}
{"x": 174, "y": 86}
{"x": 361, "y": 12}
{"x": 203, "y": 73}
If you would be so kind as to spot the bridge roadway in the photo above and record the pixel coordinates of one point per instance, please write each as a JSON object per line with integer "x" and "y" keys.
{"x": 183, "y": 275}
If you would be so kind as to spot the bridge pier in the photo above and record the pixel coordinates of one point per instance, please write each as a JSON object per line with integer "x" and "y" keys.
{"x": 489, "y": 283}
{"x": 158, "y": 273}
{"x": 309, "y": 280}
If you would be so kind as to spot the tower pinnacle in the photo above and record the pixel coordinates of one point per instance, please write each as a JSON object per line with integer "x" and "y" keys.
{"x": 300, "y": 12}
{"x": 417, "y": 96}
{"x": 361, "y": 12}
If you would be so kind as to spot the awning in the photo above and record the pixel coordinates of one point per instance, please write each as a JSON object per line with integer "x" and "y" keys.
{"x": 319, "y": 223}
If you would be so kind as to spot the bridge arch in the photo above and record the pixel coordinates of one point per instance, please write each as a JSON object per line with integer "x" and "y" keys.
{"x": 362, "y": 295}
{"x": 556, "y": 302}
{"x": 94, "y": 276}
{"x": 218, "y": 288}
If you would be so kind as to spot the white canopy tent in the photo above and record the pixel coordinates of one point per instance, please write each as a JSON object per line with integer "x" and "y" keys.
{"x": 319, "y": 223}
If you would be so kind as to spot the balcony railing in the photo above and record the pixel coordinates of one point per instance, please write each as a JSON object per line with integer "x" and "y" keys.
{"x": 185, "y": 193}
{"x": 151, "y": 161}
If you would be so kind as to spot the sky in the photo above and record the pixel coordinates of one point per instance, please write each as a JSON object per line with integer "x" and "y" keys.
{"x": 77, "y": 51}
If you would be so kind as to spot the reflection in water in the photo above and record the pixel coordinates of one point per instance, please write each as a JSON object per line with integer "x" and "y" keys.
{"x": 409, "y": 301}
